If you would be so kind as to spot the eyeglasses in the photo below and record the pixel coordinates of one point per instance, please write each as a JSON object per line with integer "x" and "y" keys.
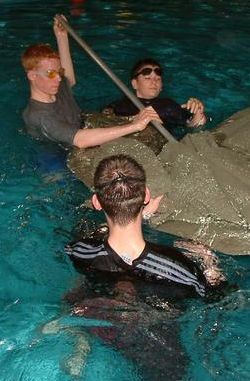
{"x": 52, "y": 74}
{"x": 148, "y": 70}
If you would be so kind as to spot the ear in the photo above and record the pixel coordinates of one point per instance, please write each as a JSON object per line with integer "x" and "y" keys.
{"x": 134, "y": 83}
{"x": 31, "y": 75}
{"x": 147, "y": 196}
{"x": 95, "y": 202}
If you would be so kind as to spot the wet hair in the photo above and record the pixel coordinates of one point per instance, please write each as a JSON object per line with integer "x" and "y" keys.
{"x": 120, "y": 186}
{"x": 34, "y": 54}
{"x": 141, "y": 63}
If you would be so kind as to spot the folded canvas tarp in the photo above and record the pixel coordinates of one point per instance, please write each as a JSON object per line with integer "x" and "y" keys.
{"x": 205, "y": 179}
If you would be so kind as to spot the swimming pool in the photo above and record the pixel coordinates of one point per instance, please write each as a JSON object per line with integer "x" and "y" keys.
{"x": 205, "y": 49}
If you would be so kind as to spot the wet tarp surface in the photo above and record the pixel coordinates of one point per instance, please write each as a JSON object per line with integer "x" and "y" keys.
{"x": 205, "y": 179}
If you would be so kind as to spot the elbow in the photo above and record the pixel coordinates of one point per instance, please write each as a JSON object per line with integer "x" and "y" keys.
{"x": 79, "y": 144}
{"x": 72, "y": 82}
{"x": 71, "y": 79}
{"x": 86, "y": 138}
{"x": 80, "y": 140}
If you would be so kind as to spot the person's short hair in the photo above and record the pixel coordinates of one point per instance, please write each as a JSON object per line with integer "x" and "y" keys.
{"x": 120, "y": 186}
{"x": 141, "y": 63}
{"x": 34, "y": 54}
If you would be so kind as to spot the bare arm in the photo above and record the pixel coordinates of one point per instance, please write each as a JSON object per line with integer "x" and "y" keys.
{"x": 93, "y": 137}
{"x": 64, "y": 51}
{"x": 206, "y": 257}
{"x": 196, "y": 107}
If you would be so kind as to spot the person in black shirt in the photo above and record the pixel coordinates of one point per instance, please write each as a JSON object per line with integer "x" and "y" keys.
{"x": 133, "y": 284}
{"x": 121, "y": 192}
{"x": 146, "y": 80}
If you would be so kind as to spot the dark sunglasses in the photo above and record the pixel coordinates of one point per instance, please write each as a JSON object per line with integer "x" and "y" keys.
{"x": 148, "y": 70}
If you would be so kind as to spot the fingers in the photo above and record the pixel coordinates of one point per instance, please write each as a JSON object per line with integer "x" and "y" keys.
{"x": 62, "y": 16}
{"x": 58, "y": 26}
{"x": 150, "y": 113}
{"x": 194, "y": 105}
{"x": 145, "y": 116}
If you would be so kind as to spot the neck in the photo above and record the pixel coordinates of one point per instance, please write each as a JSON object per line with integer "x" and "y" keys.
{"x": 146, "y": 98}
{"x": 42, "y": 97}
{"x": 127, "y": 240}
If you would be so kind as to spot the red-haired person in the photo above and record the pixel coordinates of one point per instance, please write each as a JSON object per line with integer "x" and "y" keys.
{"x": 52, "y": 112}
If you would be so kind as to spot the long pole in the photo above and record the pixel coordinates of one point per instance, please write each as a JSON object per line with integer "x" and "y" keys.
{"x": 115, "y": 79}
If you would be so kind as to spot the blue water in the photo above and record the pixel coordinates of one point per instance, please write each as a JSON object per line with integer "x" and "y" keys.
{"x": 205, "y": 49}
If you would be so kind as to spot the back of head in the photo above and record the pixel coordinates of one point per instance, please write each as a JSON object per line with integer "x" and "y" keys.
{"x": 34, "y": 54}
{"x": 120, "y": 183}
{"x": 142, "y": 63}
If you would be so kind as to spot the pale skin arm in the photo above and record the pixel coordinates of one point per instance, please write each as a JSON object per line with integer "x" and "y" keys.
{"x": 196, "y": 107}
{"x": 94, "y": 137}
{"x": 64, "y": 51}
{"x": 206, "y": 257}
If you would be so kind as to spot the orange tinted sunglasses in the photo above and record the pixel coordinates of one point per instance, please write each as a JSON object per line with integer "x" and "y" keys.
{"x": 52, "y": 74}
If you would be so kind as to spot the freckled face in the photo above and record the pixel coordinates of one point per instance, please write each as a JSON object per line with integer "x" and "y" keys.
{"x": 147, "y": 86}
{"x": 40, "y": 80}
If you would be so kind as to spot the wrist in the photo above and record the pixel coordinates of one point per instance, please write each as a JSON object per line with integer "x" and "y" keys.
{"x": 135, "y": 127}
{"x": 62, "y": 37}
{"x": 201, "y": 120}
{"x": 198, "y": 120}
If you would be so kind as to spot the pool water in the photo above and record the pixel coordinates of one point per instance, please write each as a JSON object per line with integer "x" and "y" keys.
{"x": 205, "y": 49}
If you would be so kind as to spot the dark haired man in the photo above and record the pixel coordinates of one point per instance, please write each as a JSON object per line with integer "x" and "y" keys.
{"x": 146, "y": 80}
{"x": 121, "y": 192}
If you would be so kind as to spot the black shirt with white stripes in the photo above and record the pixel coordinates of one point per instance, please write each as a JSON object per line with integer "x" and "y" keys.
{"x": 156, "y": 264}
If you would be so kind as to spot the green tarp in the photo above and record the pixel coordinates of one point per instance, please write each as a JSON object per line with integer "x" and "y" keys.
{"x": 205, "y": 179}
